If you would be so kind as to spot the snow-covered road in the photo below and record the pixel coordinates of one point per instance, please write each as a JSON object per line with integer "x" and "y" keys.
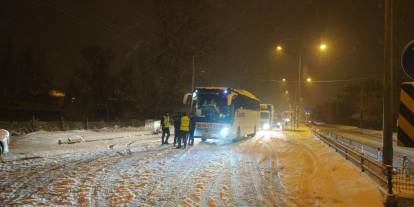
{"x": 272, "y": 169}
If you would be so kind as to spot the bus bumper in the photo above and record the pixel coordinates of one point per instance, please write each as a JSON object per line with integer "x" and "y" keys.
{"x": 224, "y": 133}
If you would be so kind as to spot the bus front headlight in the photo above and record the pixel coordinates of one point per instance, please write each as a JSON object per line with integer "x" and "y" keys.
{"x": 224, "y": 131}
{"x": 266, "y": 126}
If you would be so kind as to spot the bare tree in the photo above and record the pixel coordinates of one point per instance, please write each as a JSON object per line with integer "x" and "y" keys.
{"x": 91, "y": 83}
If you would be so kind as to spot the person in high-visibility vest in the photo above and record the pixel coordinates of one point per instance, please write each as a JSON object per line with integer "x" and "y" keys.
{"x": 184, "y": 129}
{"x": 165, "y": 124}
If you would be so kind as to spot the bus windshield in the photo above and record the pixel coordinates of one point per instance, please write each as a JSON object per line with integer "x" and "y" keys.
{"x": 212, "y": 108}
{"x": 264, "y": 115}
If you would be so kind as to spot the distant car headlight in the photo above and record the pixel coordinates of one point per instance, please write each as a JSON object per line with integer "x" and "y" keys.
{"x": 266, "y": 126}
{"x": 224, "y": 131}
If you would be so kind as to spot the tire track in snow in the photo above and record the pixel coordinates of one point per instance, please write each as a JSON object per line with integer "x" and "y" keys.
{"x": 26, "y": 185}
{"x": 203, "y": 175}
{"x": 235, "y": 179}
{"x": 43, "y": 176}
{"x": 183, "y": 171}
{"x": 212, "y": 191}
{"x": 309, "y": 169}
{"x": 127, "y": 177}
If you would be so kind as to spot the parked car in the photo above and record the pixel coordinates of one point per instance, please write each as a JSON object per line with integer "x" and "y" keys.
{"x": 4, "y": 141}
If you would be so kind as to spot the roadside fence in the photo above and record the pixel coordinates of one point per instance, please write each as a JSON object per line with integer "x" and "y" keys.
{"x": 396, "y": 179}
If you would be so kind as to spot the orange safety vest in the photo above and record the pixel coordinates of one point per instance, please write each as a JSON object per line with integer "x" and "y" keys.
{"x": 185, "y": 124}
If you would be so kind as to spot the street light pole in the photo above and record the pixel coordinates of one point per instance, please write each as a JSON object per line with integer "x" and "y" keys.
{"x": 322, "y": 47}
{"x": 298, "y": 92}
{"x": 387, "y": 154}
{"x": 361, "y": 105}
{"x": 388, "y": 80}
{"x": 193, "y": 74}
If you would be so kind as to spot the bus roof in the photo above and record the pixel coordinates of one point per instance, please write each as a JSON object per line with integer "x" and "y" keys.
{"x": 264, "y": 106}
{"x": 239, "y": 91}
{"x": 246, "y": 93}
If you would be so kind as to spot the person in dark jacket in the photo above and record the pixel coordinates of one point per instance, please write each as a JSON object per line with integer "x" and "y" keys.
{"x": 192, "y": 129}
{"x": 177, "y": 120}
{"x": 165, "y": 124}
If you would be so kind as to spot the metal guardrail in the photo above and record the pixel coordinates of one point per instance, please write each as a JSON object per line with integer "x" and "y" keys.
{"x": 373, "y": 152}
{"x": 401, "y": 180}
{"x": 400, "y": 160}
{"x": 366, "y": 162}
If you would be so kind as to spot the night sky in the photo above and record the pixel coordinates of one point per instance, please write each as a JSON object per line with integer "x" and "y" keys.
{"x": 243, "y": 36}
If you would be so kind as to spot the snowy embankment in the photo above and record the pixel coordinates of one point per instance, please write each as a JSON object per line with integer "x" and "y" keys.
{"x": 43, "y": 143}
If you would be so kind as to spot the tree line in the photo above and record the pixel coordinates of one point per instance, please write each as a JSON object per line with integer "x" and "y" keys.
{"x": 359, "y": 104}
{"x": 152, "y": 78}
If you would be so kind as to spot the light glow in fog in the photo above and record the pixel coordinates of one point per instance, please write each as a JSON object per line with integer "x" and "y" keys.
{"x": 271, "y": 134}
{"x": 224, "y": 131}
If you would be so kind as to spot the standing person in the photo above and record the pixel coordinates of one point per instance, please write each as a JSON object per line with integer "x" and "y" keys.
{"x": 165, "y": 124}
{"x": 184, "y": 129}
{"x": 177, "y": 120}
{"x": 192, "y": 129}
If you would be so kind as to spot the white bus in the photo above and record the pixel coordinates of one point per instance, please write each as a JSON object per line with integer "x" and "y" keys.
{"x": 287, "y": 117}
{"x": 266, "y": 116}
{"x": 223, "y": 113}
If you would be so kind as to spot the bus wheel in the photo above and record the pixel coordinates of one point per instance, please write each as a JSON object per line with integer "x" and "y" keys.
{"x": 203, "y": 139}
{"x": 238, "y": 136}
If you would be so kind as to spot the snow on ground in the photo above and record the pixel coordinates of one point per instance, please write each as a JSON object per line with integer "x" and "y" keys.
{"x": 272, "y": 169}
{"x": 43, "y": 143}
{"x": 311, "y": 173}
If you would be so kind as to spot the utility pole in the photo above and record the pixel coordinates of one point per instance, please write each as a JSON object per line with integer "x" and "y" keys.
{"x": 297, "y": 108}
{"x": 361, "y": 107}
{"x": 193, "y": 76}
{"x": 388, "y": 80}
{"x": 387, "y": 87}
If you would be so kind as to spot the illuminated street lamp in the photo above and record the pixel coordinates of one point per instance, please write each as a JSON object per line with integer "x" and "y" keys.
{"x": 322, "y": 46}
{"x": 279, "y": 48}
{"x": 283, "y": 80}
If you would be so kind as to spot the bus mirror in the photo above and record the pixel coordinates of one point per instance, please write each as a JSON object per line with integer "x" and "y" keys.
{"x": 230, "y": 99}
{"x": 187, "y": 98}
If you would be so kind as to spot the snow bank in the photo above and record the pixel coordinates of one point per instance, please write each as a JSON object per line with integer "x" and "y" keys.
{"x": 43, "y": 143}
{"x": 25, "y": 127}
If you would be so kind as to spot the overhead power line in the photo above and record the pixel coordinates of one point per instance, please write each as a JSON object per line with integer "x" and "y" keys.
{"x": 318, "y": 81}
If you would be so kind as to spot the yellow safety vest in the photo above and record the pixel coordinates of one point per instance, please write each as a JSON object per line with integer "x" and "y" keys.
{"x": 185, "y": 124}
{"x": 166, "y": 121}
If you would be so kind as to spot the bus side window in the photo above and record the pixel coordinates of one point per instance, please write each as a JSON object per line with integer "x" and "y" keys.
{"x": 236, "y": 103}
{"x": 242, "y": 102}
